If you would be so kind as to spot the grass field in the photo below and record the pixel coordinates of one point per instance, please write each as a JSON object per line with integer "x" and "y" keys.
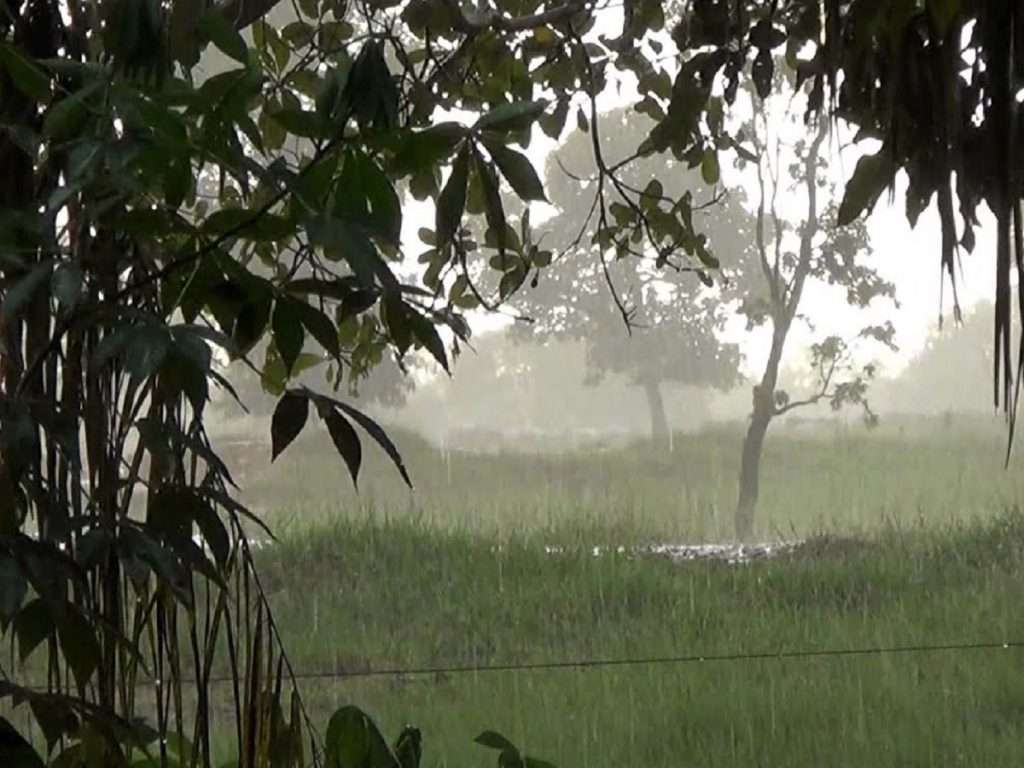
{"x": 847, "y": 480}
{"x": 918, "y": 544}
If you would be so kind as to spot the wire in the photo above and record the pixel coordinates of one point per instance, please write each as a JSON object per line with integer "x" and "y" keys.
{"x": 646, "y": 661}
{"x": 626, "y": 662}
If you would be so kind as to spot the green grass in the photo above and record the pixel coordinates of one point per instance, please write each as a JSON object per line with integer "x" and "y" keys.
{"x": 838, "y": 480}
{"x": 916, "y": 542}
{"x": 353, "y": 595}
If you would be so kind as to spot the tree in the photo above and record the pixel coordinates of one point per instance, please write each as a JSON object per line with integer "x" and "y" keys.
{"x": 948, "y": 374}
{"x": 952, "y": 66}
{"x": 151, "y": 209}
{"x": 150, "y": 212}
{"x": 674, "y": 319}
{"x": 791, "y": 257}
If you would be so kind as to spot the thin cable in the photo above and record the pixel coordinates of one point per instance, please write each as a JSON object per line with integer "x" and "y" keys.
{"x": 647, "y": 661}
{"x": 627, "y": 662}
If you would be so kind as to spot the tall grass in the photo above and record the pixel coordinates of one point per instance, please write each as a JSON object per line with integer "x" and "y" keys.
{"x": 355, "y": 596}
{"x": 919, "y": 545}
{"x": 842, "y": 479}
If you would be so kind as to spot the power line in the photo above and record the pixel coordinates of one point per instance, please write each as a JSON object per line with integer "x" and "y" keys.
{"x": 645, "y": 661}
{"x": 583, "y": 664}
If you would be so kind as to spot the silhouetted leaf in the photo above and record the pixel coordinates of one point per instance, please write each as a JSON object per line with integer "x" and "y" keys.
{"x": 67, "y": 285}
{"x": 24, "y": 289}
{"x": 78, "y": 643}
{"x": 319, "y": 326}
{"x": 289, "y": 334}
{"x": 409, "y": 747}
{"x": 494, "y": 740}
{"x": 709, "y": 169}
{"x": 353, "y": 741}
{"x": 222, "y": 34}
{"x": 26, "y": 75}
{"x": 517, "y": 169}
{"x": 13, "y": 588}
{"x": 32, "y": 625}
{"x": 15, "y": 751}
{"x": 424, "y": 150}
{"x": 511, "y": 117}
{"x": 493, "y": 208}
{"x": 452, "y": 202}
{"x": 345, "y": 440}
{"x": 426, "y": 332}
{"x": 873, "y": 174}
{"x": 289, "y": 418}
{"x": 374, "y": 430}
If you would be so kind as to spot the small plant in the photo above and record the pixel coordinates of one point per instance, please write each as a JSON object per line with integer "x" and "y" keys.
{"x": 352, "y": 740}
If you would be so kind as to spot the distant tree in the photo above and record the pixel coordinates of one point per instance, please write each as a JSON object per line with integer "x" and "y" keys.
{"x": 792, "y": 255}
{"x": 666, "y": 329}
{"x": 952, "y": 372}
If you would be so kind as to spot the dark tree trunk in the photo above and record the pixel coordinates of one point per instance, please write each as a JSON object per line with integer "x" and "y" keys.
{"x": 750, "y": 474}
{"x": 761, "y": 417}
{"x": 656, "y": 406}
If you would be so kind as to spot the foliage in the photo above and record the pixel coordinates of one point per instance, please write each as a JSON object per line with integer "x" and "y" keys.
{"x": 351, "y": 739}
{"x": 791, "y": 258}
{"x": 935, "y": 83}
{"x": 169, "y": 213}
{"x": 673, "y": 320}
{"x": 153, "y": 208}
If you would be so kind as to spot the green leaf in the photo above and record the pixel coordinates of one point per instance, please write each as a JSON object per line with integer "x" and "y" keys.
{"x": 319, "y": 327}
{"x": 345, "y": 440}
{"x": 493, "y": 209}
{"x": 366, "y": 195}
{"x": 26, "y": 75}
{"x": 289, "y": 418}
{"x": 67, "y": 285}
{"x": 216, "y": 28}
{"x": 709, "y": 169}
{"x": 248, "y": 224}
{"x": 494, "y": 740}
{"x": 426, "y": 333}
{"x": 353, "y": 741}
{"x": 301, "y": 122}
{"x": 518, "y": 171}
{"x": 288, "y": 333}
{"x": 507, "y": 118}
{"x": 23, "y": 290}
{"x": 870, "y": 178}
{"x": 423, "y": 151}
{"x": 65, "y": 117}
{"x": 32, "y": 625}
{"x": 13, "y": 588}
{"x": 374, "y": 430}
{"x": 452, "y": 202}
{"x": 346, "y": 240}
{"x": 78, "y": 643}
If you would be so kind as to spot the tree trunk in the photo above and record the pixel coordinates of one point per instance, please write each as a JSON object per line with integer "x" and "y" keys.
{"x": 750, "y": 475}
{"x": 760, "y": 418}
{"x": 656, "y": 406}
